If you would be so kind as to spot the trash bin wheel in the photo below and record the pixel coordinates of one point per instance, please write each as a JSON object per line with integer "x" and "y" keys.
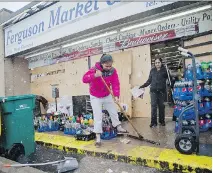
{"x": 16, "y": 151}
{"x": 185, "y": 144}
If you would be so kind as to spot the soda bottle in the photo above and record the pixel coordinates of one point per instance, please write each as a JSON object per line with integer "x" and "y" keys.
{"x": 204, "y": 66}
{"x": 78, "y": 120}
{"x": 91, "y": 122}
{"x": 86, "y": 122}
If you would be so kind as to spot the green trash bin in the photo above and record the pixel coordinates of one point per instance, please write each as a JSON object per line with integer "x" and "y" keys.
{"x": 17, "y": 135}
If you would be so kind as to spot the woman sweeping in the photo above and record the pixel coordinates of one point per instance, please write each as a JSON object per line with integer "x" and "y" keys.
{"x": 157, "y": 78}
{"x": 100, "y": 96}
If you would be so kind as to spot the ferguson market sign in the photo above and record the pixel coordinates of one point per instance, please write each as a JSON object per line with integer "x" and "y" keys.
{"x": 66, "y": 18}
{"x": 174, "y": 28}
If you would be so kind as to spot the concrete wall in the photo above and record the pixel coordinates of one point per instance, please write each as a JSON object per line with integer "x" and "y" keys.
{"x": 14, "y": 73}
{"x": 5, "y": 14}
{"x": 2, "y": 84}
{"x": 17, "y": 77}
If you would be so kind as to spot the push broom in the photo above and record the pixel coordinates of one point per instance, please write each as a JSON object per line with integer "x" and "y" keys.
{"x": 140, "y": 137}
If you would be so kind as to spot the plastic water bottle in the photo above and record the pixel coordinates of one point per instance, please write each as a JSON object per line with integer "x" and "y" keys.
{"x": 207, "y": 105}
{"x": 189, "y": 73}
{"x": 210, "y": 66}
{"x": 50, "y": 123}
{"x": 199, "y": 71}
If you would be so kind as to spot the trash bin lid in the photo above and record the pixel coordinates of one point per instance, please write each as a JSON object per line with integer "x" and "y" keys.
{"x": 18, "y": 97}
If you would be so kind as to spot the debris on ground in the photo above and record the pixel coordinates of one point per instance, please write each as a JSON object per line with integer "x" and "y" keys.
{"x": 125, "y": 141}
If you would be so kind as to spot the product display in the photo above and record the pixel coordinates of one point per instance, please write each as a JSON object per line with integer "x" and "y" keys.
{"x": 183, "y": 95}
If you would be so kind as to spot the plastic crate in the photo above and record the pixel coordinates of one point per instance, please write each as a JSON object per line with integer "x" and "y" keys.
{"x": 207, "y": 75}
{"x": 48, "y": 129}
{"x": 185, "y": 97}
{"x": 204, "y": 128}
{"x": 189, "y": 117}
{"x": 69, "y": 131}
{"x": 201, "y": 109}
{"x": 208, "y": 107}
{"x": 108, "y": 135}
{"x": 176, "y": 93}
{"x": 176, "y": 111}
{"x": 182, "y": 94}
{"x": 206, "y": 93}
{"x": 82, "y": 137}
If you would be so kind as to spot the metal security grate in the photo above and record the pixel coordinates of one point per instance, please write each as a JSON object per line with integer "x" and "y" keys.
{"x": 168, "y": 51}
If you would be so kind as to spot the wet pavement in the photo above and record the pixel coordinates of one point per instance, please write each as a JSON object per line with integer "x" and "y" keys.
{"x": 141, "y": 153}
{"x": 44, "y": 154}
{"x": 163, "y": 134}
{"x": 89, "y": 165}
{"x": 86, "y": 164}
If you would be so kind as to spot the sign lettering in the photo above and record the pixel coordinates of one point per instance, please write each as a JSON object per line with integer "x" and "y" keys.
{"x": 107, "y": 44}
{"x": 66, "y": 18}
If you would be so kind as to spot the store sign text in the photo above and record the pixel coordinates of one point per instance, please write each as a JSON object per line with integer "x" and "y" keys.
{"x": 36, "y": 76}
{"x": 183, "y": 26}
{"x": 146, "y": 39}
{"x": 59, "y": 20}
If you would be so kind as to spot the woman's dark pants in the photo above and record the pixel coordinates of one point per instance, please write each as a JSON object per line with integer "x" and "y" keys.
{"x": 157, "y": 100}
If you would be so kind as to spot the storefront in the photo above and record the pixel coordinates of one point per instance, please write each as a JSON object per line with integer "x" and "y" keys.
{"x": 60, "y": 43}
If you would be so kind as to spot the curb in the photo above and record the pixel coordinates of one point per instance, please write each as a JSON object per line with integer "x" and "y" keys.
{"x": 159, "y": 158}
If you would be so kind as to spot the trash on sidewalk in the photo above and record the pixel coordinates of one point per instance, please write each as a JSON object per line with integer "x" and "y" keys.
{"x": 109, "y": 171}
{"x": 125, "y": 141}
{"x": 68, "y": 164}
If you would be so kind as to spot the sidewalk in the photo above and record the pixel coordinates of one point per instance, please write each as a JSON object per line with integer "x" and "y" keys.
{"x": 16, "y": 170}
{"x": 136, "y": 152}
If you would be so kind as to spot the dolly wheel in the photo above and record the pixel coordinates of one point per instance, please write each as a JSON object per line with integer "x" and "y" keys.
{"x": 188, "y": 131}
{"x": 185, "y": 144}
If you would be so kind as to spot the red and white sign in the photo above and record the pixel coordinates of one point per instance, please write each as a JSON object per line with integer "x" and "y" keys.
{"x": 183, "y": 26}
{"x": 132, "y": 42}
{"x": 78, "y": 54}
{"x": 151, "y": 38}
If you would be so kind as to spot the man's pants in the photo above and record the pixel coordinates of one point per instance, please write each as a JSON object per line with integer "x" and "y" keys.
{"x": 109, "y": 105}
{"x": 157, "y": 100}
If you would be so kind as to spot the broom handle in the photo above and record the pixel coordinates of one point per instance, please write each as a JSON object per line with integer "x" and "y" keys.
{"x": 122, "y": 111}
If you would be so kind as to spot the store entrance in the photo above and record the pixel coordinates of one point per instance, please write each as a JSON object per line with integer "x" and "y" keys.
{"x": 168, "y": 51}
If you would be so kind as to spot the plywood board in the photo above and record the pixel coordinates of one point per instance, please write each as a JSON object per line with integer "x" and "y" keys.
{"x": 74, "y": 73}
{"x": 43, "y": 85}
{"x": 201, "y": 39}
{"x": 123, "y": 64}
{"x": 141, "y": 66}
{"x": 48, "y": 68}
{"x": 94, "y": 59}
{"x": 201, "y": 49}
{"x": 200, "y": 59}
{"x": 42, "y": 89}
{"x": 69, "y": 83}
